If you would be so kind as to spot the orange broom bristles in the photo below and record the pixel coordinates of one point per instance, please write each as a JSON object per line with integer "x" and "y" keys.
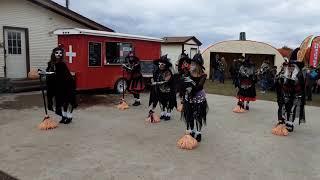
{"x": 280, "y": 130}
{"x": 153, "y": 118}
{"x": 238, "y": 109}
{"x": 187, "y": 142}
{"x": 123, "y": 105}
{"x": 47, "y": 124}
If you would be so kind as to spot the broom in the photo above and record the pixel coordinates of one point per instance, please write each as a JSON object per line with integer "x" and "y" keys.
{"x": 123, "y": 105}
{"x": 187, "y": 141}
{"x": 47, "y": 122}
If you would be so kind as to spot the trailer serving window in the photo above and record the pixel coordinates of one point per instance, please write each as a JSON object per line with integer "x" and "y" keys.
{"x": 116, "y": 52}
{"x": 147, "y": 68}
{"x": 94, "y": 54}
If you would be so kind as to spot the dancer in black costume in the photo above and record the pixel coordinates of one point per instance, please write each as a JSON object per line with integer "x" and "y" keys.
{"x": 61, "y": 85}
{"x": 163, "y": 89}
{"x": 136, "y": 84}
{"x": 195, "y": 103}
{"x": 290, "y": 87}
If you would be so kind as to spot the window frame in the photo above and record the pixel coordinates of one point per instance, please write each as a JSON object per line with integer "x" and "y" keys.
{"x": 105, "y": 50}
{"x": 14, "y": 46}
{"x": 101, "y": 53}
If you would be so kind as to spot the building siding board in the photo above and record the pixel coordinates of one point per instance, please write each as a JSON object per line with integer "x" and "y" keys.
{"x": 173, "y": 52}
{"x": 40, "y": 23}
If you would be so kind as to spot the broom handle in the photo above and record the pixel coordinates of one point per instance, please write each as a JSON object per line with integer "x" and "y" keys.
{"x": 123, "y": 84}
{"x": 43, "y": 96}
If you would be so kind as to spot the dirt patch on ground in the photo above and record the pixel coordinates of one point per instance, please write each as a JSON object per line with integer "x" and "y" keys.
{"x": 23, "y": 102}
{"x": 87, "y": 100}
{"x": 35, "y": 100}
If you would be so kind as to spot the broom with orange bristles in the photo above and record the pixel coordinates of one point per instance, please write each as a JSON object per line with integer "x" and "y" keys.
{"x": 47, "y": 122}
{"x": 123, "y": 104}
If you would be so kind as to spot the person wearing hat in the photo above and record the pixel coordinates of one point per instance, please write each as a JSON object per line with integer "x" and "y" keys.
{"x": 290, "y": 86}
{"x": 184, "y": 71}
{"x": 135, "y": 82}
{"x": 163, "y": 89}
{"x": 63, "y": 86}
{"x": 195, "y": 103}
{"x": 246, "y": 88}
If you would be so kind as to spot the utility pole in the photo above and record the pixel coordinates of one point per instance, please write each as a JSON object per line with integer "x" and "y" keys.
{"x": 67, "y": 4}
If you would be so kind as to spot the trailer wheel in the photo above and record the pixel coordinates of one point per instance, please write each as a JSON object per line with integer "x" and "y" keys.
{"x": 118, "y": 87}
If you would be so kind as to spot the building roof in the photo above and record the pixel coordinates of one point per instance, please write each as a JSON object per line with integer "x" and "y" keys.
{"x": 180, "y": 40}
{"x": 57, "y": 8}
{"x": 77, "y": 31}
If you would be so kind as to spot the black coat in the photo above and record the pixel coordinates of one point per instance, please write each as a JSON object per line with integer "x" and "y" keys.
{"x": 65, "y": 85}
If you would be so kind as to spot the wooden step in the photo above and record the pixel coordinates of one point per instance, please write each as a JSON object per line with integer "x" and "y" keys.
{"x": 24, "y": 85}
{"x": 25, "y": 88}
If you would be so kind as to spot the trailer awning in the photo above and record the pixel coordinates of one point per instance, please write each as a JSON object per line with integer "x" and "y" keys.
{"x": 78, "y": 31}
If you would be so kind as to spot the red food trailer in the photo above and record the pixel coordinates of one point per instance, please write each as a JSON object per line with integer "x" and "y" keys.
{"x": 95, "y": 57}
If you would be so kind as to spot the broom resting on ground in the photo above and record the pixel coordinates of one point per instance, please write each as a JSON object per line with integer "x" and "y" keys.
{"x": 280, "y": 130}
{"x": 47, "y": 123}
{"x": 152, "y": 117}
{"x": 187, "y": 142}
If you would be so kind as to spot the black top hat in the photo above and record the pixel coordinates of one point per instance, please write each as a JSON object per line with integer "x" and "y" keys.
{"x": 197, "y": 58}
{"x": 164, "y": 59}
{"x": 184, "y": 57}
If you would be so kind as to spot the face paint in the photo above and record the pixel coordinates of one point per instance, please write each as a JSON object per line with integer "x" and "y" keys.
{"x": 58, "y": 54}
{"x": 162, "y": 66}
{"x": 192, "y": 67}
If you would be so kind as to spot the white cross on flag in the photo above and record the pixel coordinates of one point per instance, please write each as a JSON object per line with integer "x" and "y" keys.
{"x": 71, "y": 54}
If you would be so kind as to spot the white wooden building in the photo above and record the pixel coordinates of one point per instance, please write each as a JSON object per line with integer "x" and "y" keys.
{"x": 26, "y": 33}
{"x": 174, "y": 46}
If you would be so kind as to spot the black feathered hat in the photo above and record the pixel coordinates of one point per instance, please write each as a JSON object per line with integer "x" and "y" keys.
{"x": 184, "y": 57}
{"x": 294, "y": 58}
{"x": 164, "y": 59}
{"x": 197, "y": 58}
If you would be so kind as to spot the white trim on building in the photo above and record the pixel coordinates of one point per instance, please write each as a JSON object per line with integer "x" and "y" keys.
{"x": 74, "y": 31}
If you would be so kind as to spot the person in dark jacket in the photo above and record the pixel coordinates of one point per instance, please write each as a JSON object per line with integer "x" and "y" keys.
{"x": 163, "y": 89}
{"x": 136, "y": 84}
{"x": 63, "y": 86}
{"x": 247, "y": 84}
{"x": 195, "y": 103}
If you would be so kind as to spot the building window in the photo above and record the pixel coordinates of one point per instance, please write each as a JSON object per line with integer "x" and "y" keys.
{"x": 14, "y": 42}
{"x": 116, "y": 52}
{"x": 94, "y": 54}
{"x": 193, "y": 51}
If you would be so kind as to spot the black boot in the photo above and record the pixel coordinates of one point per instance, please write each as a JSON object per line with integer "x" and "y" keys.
{"x": 290, "y": 127}
{"x": 241, "y": 104}
{"x": 247, "y": 107}
{"x": 198, "y": 138}
{"x": 163, "y": 116}
{"x": 62, "y": 121}
{"x": 280, "y": 121}
{"x": 167, "y": 117}
{"x": 68, "y": 121}
{"x": 136, "y": 103}
{"x": 192, "y": 133}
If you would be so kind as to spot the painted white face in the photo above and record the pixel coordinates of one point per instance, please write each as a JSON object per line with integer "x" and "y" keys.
{"x": 193, "y": 66}
{"x": 162, "y": 65}
{"x": 58, "y": 54}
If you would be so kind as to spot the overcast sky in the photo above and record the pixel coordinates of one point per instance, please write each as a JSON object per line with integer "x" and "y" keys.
{"x": 278, "y": 23}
